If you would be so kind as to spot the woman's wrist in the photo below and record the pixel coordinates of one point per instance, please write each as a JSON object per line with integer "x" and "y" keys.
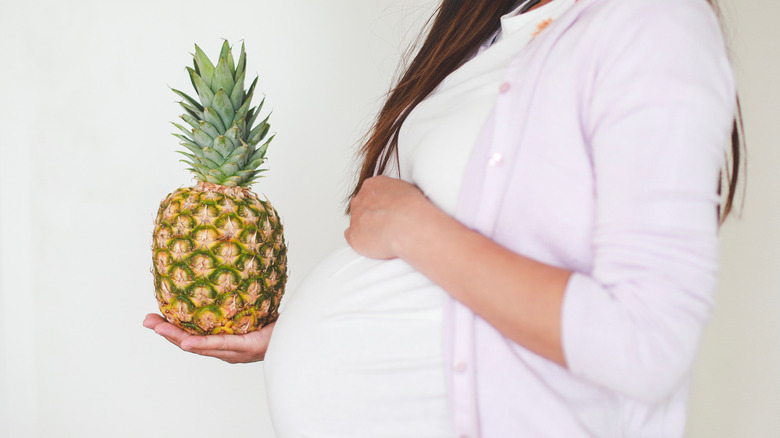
{"x": 425, "y": 226}
{"x": 414, "y": 227}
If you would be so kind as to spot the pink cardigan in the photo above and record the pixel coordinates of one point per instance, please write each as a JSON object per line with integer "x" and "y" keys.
{"x": 602, "y": 156}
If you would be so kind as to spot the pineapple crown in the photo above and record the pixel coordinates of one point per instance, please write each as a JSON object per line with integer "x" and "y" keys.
{"x": 222, "y": 146}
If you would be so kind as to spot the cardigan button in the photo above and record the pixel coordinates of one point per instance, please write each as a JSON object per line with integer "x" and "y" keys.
{"x": 504, "y": 87}
{"x": 495, "y": 159}
{"x": 459, "y": 366}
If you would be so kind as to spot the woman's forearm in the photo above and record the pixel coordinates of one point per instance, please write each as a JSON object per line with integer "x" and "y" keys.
{"x": 520, "y": 297}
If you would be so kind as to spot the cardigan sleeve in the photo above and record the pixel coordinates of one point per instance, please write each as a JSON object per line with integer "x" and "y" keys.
{"x": 658, "y": 116}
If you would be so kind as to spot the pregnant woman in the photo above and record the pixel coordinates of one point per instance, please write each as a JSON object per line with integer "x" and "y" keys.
{"x": 533, "y": 241}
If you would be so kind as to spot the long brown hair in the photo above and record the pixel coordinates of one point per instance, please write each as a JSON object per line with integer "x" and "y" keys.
{"x": 458, "y": 28}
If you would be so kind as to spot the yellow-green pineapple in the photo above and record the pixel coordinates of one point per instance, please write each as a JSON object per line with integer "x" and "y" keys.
{"x": 220, "y": 259}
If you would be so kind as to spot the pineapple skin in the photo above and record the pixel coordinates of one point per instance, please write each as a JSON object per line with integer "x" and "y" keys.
{"x": 219, "y": 260}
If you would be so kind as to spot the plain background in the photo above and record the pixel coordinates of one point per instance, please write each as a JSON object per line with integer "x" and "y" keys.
{"x": 86, "y": 156}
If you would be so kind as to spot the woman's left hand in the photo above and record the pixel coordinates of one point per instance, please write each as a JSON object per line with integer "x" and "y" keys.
{"x": 385, "y": 211}
{"x": 250, "y": 347}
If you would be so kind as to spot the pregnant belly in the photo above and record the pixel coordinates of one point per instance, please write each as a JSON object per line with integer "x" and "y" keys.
{"x": 358, "y": 351}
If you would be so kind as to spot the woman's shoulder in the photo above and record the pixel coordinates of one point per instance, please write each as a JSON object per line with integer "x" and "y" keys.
{"x": 622, "y": 13}
{"x": 673, "y": 25}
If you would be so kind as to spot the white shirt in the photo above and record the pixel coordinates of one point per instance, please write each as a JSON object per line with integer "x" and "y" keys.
{"x": 439, "y": 134}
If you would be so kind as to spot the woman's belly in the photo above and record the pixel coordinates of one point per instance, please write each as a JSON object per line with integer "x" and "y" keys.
{"x": 358, "y": 351}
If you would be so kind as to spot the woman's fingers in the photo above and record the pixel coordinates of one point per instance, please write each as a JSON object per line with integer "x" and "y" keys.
{"x": 250, "y": 347}
{"x": 227, "y": 356}
{"x": 211, "y": 342}
{"x": 226, "y": 348}
{"x": 152, "y": 320}
{"x": 165, "y": 329}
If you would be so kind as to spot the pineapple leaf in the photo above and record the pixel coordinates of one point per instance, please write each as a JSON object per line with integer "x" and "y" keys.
{"x": 224, "y": 108}
{"x": 187, "y": 132}
{"x": 202, "y": 139}
{"x": 256, "y": 163}
{"x": 201, "y": 169}
{"x": 264, "y": 147}
{"x": 192, "y": 147}
{"x": 250, "y": 115}
{"x": 242, "y": 151}
{"x": 238, "y": 91}
{"x": 259, "y": 155}
{"x": 216, "y": 173}
{"x": 241, "y": 67}
{"x": 192, "y": 121}
{"x": 211, "y": 116}
{"x": 247, "y": 101}
{"x": 192, "y": 158}
{"x": 255, "y": 112}
{"x": 234, "y": 135}
{"x": 241, "y": 125}
{"x": 251, "y": 90}
{"x": 244, "y": 174}
{"x": 203, "y": 66}
{"x": 255, "y": 176}
{"x": 211, "y": 179}
{"x": 189, "y": 144}
{"x": 229, "y": 168}
{"x": 233, "y": 181}
{"x": 240, "y": 120}
{"x": 206, "y": 165}
{"x": 223, "y": 77}
{"x": 189, "y": 99}
{"x": 225, "y": 51}
{"x": 191, "y": 110}
{"x": 257, "y": 134}
{"x": 204, "y": 92}
{"x": 211, "y": 158}
{"x": 209, "y": 129}
{"x": 241, "y": 155}
{"x": 223, "y": 146}
{"x": 231, "y": 64}
{"x": 182, "y": 137}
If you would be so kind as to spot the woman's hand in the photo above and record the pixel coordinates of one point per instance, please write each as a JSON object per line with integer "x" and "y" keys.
{"x": 385, "y": 211}
{"x": 250, "y": 347}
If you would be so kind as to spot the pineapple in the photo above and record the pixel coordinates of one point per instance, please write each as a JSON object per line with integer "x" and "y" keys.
{"x": 219, "y": 255}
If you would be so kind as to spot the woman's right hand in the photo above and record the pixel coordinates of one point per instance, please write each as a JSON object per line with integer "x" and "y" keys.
{"x": 250, "y": 347}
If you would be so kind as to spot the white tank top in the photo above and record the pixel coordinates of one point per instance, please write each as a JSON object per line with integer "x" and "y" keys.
{"x": 436, "y": 139}
{"x": 358, "y": 348}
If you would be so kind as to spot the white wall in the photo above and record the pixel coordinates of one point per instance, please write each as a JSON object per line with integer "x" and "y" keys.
{"x": 736, "y": 382}
{"x": 86, "y": 156}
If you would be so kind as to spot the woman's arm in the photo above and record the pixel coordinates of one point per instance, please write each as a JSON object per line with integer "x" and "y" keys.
{"x": 520, "y": 297}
